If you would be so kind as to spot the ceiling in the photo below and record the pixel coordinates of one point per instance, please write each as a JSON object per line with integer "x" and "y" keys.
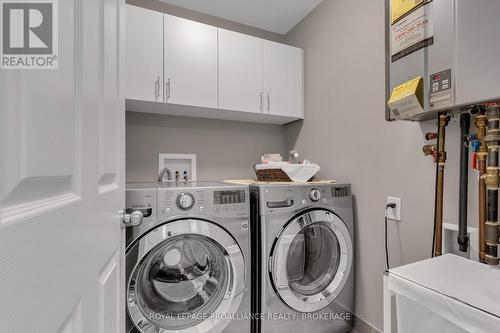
{"x": 278, "y": 16}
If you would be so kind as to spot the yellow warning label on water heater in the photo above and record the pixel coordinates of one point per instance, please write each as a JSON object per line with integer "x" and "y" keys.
{"x": 401, "y": 7}
{"x": 406, "y": 89}
{"x": 407, "y": 99}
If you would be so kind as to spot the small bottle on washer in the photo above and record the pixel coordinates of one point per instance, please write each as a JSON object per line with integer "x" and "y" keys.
{"x": 177, "y": 176}
{"x": 185, "y": 176}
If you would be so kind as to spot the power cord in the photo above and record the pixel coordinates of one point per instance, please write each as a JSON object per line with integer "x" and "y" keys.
{"x": 391, "y": 205}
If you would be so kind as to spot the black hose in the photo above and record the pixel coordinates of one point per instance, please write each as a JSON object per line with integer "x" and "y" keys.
{"x": 386, "y": 250}
{"x": 463, "y": 238}
{"x": 389, "y": 205}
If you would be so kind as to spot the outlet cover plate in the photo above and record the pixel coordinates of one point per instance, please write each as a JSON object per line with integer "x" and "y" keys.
{"x": 394, "y": 214}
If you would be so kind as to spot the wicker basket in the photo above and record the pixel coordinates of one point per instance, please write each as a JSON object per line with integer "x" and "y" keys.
{"x": 273, "y": 175}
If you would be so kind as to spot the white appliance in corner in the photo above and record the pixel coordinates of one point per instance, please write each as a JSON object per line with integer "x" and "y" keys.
{"x": 443, "y": 294}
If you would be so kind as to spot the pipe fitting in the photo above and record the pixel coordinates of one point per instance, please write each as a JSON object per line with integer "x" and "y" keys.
{"x": 429, "y": 150}
{"x": 491, "y": 178}
{"x": 443, "y": 120}
{"x": 481, "y": 121}
{"x": 431, "y": 136}
{"x": 491, "y": 233}
{"x": 463, "y": 243}
{"x": 442, "y": 157}
{"x": 491, "y": 256}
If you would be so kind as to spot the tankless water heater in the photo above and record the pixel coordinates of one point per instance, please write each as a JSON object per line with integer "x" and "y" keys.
{"x": 445, "y": 54}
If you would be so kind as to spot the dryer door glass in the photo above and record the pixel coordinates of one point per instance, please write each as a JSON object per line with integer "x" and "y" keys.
{"x": 311, "y": 260}
{"x": 183, "y": 276}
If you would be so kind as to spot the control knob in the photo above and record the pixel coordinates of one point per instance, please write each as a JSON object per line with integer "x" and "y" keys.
{"x": 315, "y": 195}
{"x": 185, "y": 201}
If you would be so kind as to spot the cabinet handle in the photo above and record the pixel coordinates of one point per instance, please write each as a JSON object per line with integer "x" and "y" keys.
{"x": 260, "y": 107}
{"x": 168, "y": 89}
{"x": 268, "y": 103}
{"x": 157, "y": 87}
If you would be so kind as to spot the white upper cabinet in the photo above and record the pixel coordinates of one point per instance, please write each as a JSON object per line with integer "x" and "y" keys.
{"x": 144, "y": 54}
{"x": 190, "y": 62}
{"x": 240, "y": 72}
{"x": 196, "y": 70}
{"x": 283, "y": 80}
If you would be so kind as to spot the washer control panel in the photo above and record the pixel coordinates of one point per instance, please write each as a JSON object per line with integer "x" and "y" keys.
{"x": 203, "y": 201}
{"x": 229, "y": 200}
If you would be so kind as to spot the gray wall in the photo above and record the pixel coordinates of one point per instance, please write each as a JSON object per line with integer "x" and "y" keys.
{"x": 345, "y": 132}
{"x": 225, "y": 149}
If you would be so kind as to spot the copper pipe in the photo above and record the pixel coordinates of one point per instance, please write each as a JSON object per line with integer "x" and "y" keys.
{"x": 481, "y": 122}
{"x": 441, "y": 161}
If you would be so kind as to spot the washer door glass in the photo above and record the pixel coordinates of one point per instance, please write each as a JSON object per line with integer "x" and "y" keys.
{"x": 311, "y": 260}
{"x": 182, "y": 276}
{"x": 182, "y": 279}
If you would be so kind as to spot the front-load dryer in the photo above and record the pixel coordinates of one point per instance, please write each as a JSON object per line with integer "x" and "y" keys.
{"x": 187, "y": 264}
{"x": 302, "y": 240}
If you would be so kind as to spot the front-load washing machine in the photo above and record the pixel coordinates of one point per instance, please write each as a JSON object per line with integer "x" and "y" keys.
{"x": 187, "y": 263}
{"x": 302, "y": 243}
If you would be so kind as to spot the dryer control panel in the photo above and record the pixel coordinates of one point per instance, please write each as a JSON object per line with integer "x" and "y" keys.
{"x": 292, "y": 197}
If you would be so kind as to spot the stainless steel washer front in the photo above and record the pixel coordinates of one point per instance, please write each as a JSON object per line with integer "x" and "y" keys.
{"x": 302, "y": 242}
{"x": 311, "y": 260}
{"x": 184, "y": 276}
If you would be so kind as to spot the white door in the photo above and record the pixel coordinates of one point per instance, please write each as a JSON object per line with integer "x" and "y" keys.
{"x": 283, "y": 80}
{"x": 144, "y": 54}
{"x": 240, "y": 72}
{"x": 190, "y": 62}
{"x": 62, "y": 180}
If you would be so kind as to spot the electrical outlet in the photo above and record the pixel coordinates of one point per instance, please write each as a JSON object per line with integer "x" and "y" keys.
{"x": 394, "y": 214}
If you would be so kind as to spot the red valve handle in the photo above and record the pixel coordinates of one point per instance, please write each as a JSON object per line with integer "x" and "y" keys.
{"x": 474, "y": 161}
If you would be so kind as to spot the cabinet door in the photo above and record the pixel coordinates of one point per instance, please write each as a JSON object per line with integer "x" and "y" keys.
{"x": 190, "y": 62}
{"x": 144, "y": 54}
{"x": 240, "y": 72}
{"x": 283, "y": 80}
